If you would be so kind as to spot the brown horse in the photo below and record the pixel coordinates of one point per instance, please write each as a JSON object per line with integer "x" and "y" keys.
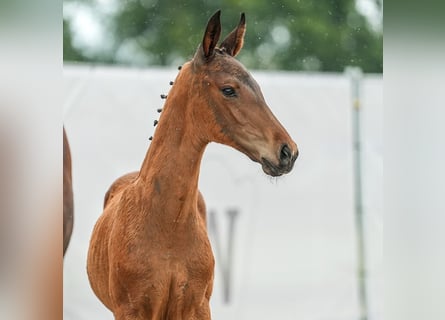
{"x": 150, "y": 256}
{"x": 68, "y": 206}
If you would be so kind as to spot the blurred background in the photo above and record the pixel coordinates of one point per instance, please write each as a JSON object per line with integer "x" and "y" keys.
{"x": 283, "y": 35}
{"x": 304, "y": 246}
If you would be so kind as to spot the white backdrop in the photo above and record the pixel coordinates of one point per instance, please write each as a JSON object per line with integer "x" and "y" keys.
{"x": 294, "y": 240}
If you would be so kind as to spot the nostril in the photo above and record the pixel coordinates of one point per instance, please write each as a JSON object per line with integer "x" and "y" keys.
{"x": 285, "y": 154}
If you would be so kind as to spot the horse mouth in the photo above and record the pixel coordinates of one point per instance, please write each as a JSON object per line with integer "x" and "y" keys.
{"x": 273, "y": 170}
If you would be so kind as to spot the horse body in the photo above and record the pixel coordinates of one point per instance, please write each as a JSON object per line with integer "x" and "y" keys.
{"x": 68, "y": 206}
{"x": 150, "y": 256}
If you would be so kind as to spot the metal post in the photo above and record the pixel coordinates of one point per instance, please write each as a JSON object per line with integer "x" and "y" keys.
{"x": 355, "y": 75}
{"x": 232, "y": 214}
{"x": 225, "y": 261}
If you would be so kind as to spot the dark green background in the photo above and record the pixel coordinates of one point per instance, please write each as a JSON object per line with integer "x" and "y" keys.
{"x": 323, "y": 35}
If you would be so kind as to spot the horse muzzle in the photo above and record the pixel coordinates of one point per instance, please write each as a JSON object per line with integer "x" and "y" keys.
{"x": 284, "y": 164}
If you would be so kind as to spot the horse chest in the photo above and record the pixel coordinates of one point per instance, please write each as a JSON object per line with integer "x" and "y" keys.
{"x": 168, "y": 283}
{"x": 189, "y": 258}
{"x": 174, "y": 263}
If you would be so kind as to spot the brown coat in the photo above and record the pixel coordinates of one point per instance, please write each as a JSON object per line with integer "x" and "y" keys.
{"x": 150, "y": 256}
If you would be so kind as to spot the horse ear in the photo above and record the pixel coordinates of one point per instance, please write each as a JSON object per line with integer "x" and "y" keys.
{"x": 211, "y": 36}
{"x": 233, "y": 43}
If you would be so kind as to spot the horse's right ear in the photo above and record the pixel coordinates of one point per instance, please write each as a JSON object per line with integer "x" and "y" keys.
{"x": 211, "y": 36}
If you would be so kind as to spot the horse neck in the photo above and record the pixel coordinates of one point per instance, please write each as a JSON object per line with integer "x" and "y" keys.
{"x": 172, "y": 163}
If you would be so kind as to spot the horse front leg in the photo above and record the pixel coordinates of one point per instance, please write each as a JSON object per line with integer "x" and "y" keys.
{"x": 127, "y": 314}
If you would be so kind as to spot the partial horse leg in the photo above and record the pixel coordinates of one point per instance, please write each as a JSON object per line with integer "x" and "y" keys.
{"x": 125, "y": 314}
{"x": 204, "y": 313}
{"x": 129, "y": 314}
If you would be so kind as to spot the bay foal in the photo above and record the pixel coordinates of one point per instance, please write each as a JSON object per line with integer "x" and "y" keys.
{"x": 150, "y": 256}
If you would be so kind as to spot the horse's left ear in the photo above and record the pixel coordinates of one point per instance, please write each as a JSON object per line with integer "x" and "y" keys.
{"x": 233, "y": 43}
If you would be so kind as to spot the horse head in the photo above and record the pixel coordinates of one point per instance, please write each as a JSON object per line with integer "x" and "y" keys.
{"x": 228, "y": 105}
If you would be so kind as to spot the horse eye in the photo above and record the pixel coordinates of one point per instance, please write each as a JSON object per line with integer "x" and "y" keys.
{"x": 228, "y": 92}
